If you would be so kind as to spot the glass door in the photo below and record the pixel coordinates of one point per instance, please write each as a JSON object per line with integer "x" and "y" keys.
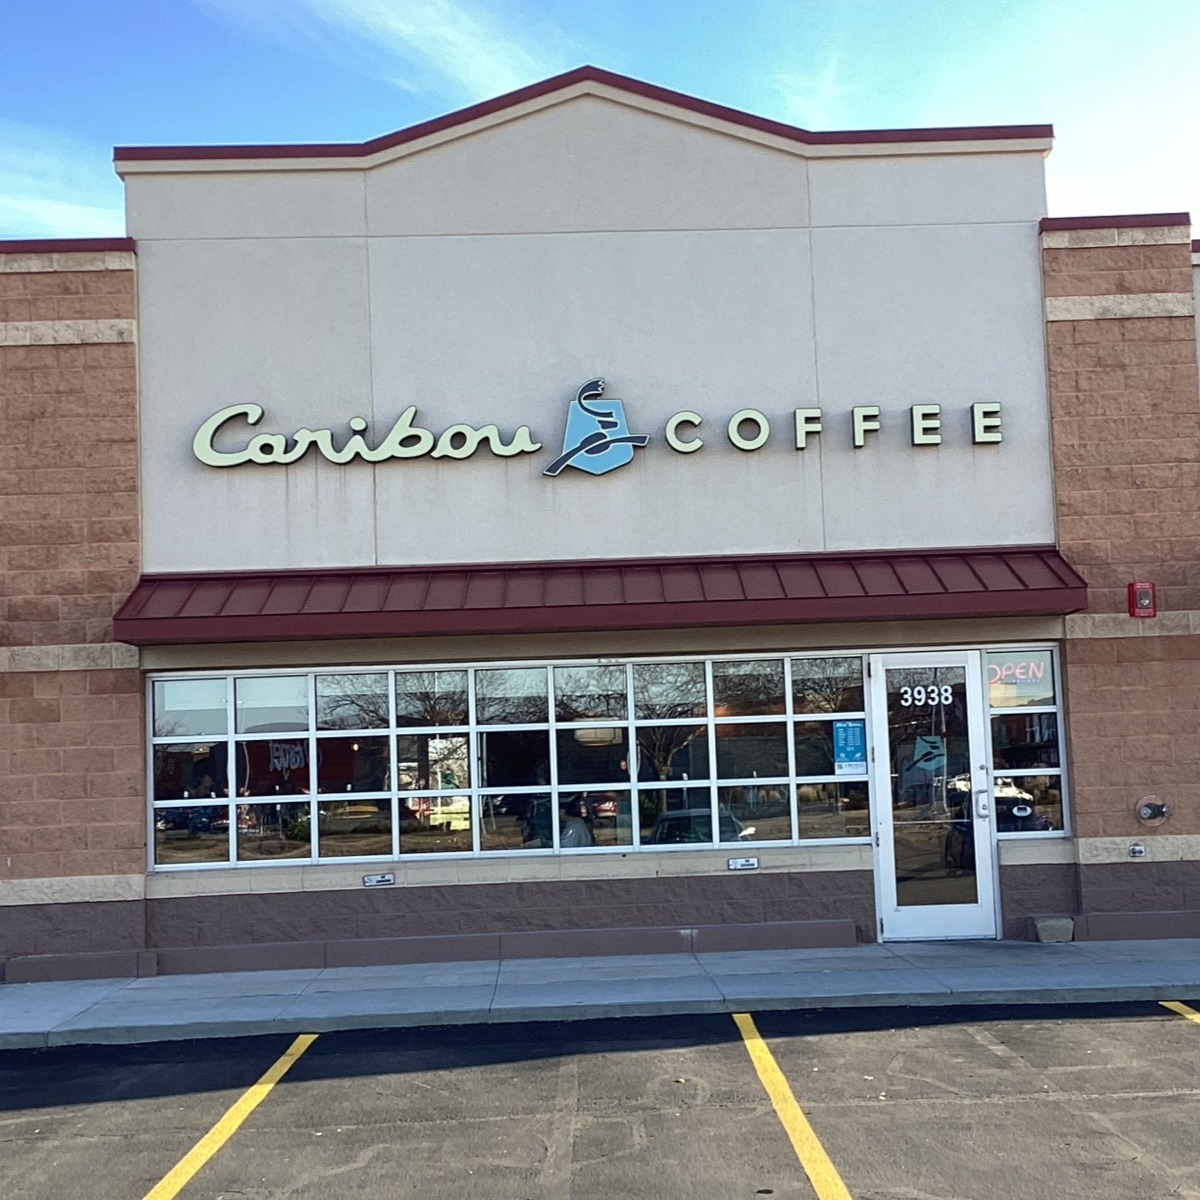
{"x": 934, "y": 854}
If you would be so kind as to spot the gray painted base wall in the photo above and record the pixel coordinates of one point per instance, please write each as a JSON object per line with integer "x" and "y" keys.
{"x": 671, "y": 914}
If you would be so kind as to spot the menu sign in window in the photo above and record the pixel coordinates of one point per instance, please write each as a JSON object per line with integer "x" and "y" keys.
{"x": 849, "y": 747}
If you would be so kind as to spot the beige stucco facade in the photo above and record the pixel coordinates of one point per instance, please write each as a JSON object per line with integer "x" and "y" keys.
{"x": 481, "y": 271}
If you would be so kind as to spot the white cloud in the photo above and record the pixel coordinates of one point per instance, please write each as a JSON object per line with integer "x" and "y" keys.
{"x": 413, "y": 44}
{"x": 55, "y": 186}
{"x": 813, "y": 100}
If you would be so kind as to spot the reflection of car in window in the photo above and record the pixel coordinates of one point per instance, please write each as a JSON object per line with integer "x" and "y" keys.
{"x": 695, "y": 825}
{"x": 1015, "y": 813}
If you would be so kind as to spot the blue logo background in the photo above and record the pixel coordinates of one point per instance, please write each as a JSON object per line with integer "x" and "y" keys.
{"x": 597, "y": 438}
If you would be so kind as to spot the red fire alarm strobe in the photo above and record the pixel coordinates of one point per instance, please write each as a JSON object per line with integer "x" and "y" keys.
{"x": 1143, "y": 600}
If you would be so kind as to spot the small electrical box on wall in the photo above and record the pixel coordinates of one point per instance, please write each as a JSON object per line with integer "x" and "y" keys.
{"x": 1143, "y": 600}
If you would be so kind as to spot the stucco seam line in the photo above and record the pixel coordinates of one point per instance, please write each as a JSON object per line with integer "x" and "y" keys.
{"x": 78, "y": 889}
{"x": 1160, "y": 847}
{"x": 66, "y": 333}
{"x": 1077, "y": 239}
{"x": 1182, "y": 623}
{"x": 104, "y": 260}
{"x": 88, "y": 656}
{"x": 1102, "y": 308}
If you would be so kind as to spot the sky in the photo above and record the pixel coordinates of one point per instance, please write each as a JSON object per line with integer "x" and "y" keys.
{"x": 1118, "y": 79}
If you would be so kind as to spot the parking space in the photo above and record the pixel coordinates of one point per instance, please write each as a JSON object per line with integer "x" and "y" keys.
{"x": 909, "y": 1104}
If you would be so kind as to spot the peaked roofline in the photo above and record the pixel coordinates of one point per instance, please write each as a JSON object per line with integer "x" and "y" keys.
{"x": 570, "y": 79}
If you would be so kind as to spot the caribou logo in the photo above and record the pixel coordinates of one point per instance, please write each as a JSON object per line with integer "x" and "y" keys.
{"x": 597, "y": 438}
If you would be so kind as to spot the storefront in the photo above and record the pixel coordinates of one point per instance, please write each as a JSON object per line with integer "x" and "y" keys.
{"x": 599, "y": 520}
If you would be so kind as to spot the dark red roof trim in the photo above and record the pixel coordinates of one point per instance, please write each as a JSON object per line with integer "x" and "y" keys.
{"x": 546, "y": 597}
{"x": 1125, "y": 221}
{"x": 535, "y": 91}
{"x": 66, "y": 245}
{"x": 1196, "y": 247}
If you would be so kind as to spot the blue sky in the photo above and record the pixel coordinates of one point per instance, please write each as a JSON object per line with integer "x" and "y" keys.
{"x": 1119, "y": 79}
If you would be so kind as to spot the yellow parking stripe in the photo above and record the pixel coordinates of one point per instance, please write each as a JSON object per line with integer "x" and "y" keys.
{"x": 821, "y": 1172}
{"x": 172, "y": 1184}
{"x": 1182, "y": 1010}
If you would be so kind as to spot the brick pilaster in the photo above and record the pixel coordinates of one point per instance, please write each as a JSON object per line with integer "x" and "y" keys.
{"x": 1125, "y": 409}
{"x": 71, "y": 762}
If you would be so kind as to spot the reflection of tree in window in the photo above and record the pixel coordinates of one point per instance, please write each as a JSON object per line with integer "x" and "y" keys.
{"x": 352, "y": 702}
{"x": 512, "y": 697}
{"x": 744, "y": 689}
{"x": 431, "y": 698}
{"x": 827, "y": 685}
{"x": 664, "y": 691}
{"x": 589, "y": 693}
{"x": 658, "y": 747}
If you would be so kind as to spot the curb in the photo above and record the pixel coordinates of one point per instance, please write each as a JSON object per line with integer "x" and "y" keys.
{"x": 134, "y": 1034}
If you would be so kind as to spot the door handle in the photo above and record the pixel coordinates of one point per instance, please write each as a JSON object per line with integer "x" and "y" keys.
{"x": 982, "y": 803}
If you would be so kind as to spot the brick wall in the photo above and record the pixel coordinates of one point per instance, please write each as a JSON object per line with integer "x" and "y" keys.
{"x": 1126, "y": 413}
{"x": 1125, "y": 407}
{"x": 71, "y": 767}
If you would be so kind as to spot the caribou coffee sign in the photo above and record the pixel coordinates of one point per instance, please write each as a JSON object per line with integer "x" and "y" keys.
{"x": 596, "y": 439}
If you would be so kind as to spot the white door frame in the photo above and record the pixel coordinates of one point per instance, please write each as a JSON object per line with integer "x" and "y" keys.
{"x": 932, "y": 922}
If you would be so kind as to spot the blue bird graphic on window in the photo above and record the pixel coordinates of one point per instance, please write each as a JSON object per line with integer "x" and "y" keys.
{"x": 597, "y": 439}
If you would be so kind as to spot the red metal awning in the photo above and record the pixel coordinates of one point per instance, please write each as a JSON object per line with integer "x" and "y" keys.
{"x": 553, "y": 597}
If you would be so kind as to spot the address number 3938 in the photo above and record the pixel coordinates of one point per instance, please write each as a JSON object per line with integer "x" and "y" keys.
{"x": 934, "y": 694}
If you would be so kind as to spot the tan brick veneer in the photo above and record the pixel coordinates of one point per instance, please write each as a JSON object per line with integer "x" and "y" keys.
{"x": 1125, "y": 405}
{"x": 71, "y": 766}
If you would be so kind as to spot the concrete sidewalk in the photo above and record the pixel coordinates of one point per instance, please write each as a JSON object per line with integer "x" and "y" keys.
{"x": 173, "y": 1007}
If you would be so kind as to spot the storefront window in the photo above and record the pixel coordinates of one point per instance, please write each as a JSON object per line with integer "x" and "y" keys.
{"x": 1020, "y": 678}
{"x": 273, "y": 831}
{"x": 834, "y": 810}
{"x": 272, "y": 704}
{"x": 516, "y": 822}
{"x": 666, "y": 691}
{"x": 512, "y": 697}
{"x": 431, "y": 762}
{"x": 553, "y": 757}
{"x": 354, "y": 828}
{"x": 755, "y": 812}
{"x": 593, "y": 754}
{"x": 431, "y": 699}
{"x": 190, "y": 707}
{"x": 827, "y": 685}
{"x": 438, "y": 824}
{"x": 354, "y": 764}
{"x": 1027, "y": 782}
{"x": 589, "y": 693}
{"x": 184, "y": 837}
{"x": 352, "y": 702}
{"x": 273, "y": 767}
{"x": 672, "y": 752}
{"x": 748, "y": 689}
{"x": 752, "y": 751}
{"x": 191, "y": 770}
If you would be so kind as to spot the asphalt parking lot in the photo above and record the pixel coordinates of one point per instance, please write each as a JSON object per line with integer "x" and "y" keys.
{"x": 1099, "y": 1102}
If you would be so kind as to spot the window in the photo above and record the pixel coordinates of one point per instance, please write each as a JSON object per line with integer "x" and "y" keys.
{"x": 386, "y": 763}
{"x": 558, "y": 757}
{"x": 1026, "y": 733}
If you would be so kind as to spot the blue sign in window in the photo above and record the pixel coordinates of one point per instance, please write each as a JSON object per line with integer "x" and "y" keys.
{"x": 849, "y": 747}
